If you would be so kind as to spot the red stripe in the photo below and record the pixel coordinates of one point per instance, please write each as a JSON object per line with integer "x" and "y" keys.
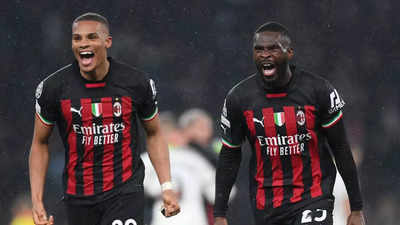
{"x": 314, "y": 153}
{"x": 108, "y": 153}
{"x": 277, "y": 172}
{"x": 96, "y": 85}
{"x": 277, "y": 95}
{"x": 297, "y": 163}
{"x": 88, "y": 155}
{"x": 126, "y": 148}
{"x": 72, "y": 153}
{"x": 260, "y": 196}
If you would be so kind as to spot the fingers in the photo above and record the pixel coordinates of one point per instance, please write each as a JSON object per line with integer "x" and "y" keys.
{"x": 171, "y": 205}
{"x": 51, "y": 220}
{"x": 40, "y": 218}
{"x": 169, "y": 211}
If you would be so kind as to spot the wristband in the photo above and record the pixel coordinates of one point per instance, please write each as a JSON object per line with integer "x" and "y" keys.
{"x": 167, "y": 186}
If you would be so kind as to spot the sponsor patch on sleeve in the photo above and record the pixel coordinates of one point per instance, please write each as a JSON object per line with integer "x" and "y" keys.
{"x": 337, "y": 102}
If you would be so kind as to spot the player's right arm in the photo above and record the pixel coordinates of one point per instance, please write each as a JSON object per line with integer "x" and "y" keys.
{"x": 227, "y": 170}
{"x": 229, "y": 157}
{"x": 38, "y": 163}
{"x": 45, "y": 117}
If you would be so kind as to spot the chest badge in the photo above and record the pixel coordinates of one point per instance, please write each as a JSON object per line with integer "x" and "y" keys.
{"x": 300, "y": 118}
{"x": 279, "y": 118}
{"x": 97, "y": 109}
{"x": 117, "y": 109}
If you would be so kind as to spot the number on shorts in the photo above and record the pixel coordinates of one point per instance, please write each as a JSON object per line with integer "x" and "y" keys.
{"x": 127, "y": 222}
{"x": 307, "y": 216}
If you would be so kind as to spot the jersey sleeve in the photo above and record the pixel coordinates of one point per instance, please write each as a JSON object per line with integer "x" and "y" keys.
{"x": 46, "y": 103}
{"x": 232, "y": 134}
{"x": 148, "y": 108}
{"x": 331, "y": 105}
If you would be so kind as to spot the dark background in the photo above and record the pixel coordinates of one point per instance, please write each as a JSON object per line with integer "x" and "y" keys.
{"x": 196, "y": 51}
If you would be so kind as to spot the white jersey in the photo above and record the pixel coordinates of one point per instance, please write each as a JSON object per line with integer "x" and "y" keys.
{"x": 194, "y": 177}
{"x": 342, "y": 207}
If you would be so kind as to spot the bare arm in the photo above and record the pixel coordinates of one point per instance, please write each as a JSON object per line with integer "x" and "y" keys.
{"x": 159, "y": 157}
{"x": 158, "y": 150}
{"x": 38, "y": 163}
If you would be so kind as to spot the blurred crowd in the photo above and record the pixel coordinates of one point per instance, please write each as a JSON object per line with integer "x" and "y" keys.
{"x": 196, "y": 51}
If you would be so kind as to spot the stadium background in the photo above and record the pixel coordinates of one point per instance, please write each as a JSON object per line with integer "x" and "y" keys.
{"x": 196, "y": 51}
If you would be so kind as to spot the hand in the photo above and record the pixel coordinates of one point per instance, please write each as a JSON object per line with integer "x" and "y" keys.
{"x": 220, "y": 221}
{"x": 171, "y": 205}
{"x": 356, "y": 218}
{"x": 40, "y": 216}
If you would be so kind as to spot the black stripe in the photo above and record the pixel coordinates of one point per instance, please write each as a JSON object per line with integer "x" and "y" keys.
{"x": 76, "y": 119}
{"x": 118, "y": 148}
{"x": 286, "y": 161}
{"x": 63, "y": 127}
{"x": 98, "y": 152}
{"x": 307, "y": 170}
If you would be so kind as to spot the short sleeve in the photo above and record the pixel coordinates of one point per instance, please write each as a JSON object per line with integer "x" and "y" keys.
{"x": 232, "y": 134}
{"x": 331, "y": 105}
{"x": 148, "y": 108}
{"x": 46, "y": 104}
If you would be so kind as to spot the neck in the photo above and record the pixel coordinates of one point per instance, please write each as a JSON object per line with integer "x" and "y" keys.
{"x": 282, "y": 82}
{"x": 97, "y": 74}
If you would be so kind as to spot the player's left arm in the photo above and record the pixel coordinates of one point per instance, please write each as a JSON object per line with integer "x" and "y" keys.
{"x": 332, "y": 105}
{"x": 346, "y": 166}
{"x": 159, "y": 157}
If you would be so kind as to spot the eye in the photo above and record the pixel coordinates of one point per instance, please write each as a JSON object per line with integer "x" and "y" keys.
{"x": 93, "y": 36}
{"x": 76, "y": 37}
{"x": 274, "y": 48}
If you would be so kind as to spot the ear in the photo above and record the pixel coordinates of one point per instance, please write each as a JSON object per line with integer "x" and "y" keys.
{"x": 108, "y": 41}
{"x": 290, "y": 53}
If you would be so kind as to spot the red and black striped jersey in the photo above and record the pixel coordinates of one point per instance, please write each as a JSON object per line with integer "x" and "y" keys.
{"x": 99, "y": 125}
{"x": 291, "y": 161}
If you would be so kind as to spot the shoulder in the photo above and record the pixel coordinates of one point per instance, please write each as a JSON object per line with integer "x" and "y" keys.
{"x": 129, "y": 73}
{"x": 55, "y": 80}
{"x": 243, "y": 87}
{"x": 312, "y": 79}
{"x": 59, "y": 75}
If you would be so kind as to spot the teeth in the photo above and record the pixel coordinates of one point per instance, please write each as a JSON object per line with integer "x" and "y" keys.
{"x": 268, "y": 66}
{"x": 86, "y": 53}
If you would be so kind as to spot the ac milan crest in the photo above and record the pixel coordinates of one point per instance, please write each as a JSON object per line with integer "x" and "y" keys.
{"x": 300, "y": 117}
{"x": 117, "y": 109}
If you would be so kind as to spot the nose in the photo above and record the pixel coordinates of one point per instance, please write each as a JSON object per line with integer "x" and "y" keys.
{"x": 84, "y": 43}
{"x": 265, "y": 53}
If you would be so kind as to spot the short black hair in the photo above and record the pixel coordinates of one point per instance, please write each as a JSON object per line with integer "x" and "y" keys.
{"x": 90, "y": 16}
{"x": 275, "y": 27}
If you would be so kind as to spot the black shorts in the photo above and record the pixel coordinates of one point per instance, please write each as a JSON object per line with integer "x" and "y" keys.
{"x": 122, "y": 209}
{"x": 316, "y": 213}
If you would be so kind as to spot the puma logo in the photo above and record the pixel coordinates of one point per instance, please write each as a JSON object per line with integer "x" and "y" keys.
{"x": 77, "y": 111}
{"x": 261, "y": 122}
